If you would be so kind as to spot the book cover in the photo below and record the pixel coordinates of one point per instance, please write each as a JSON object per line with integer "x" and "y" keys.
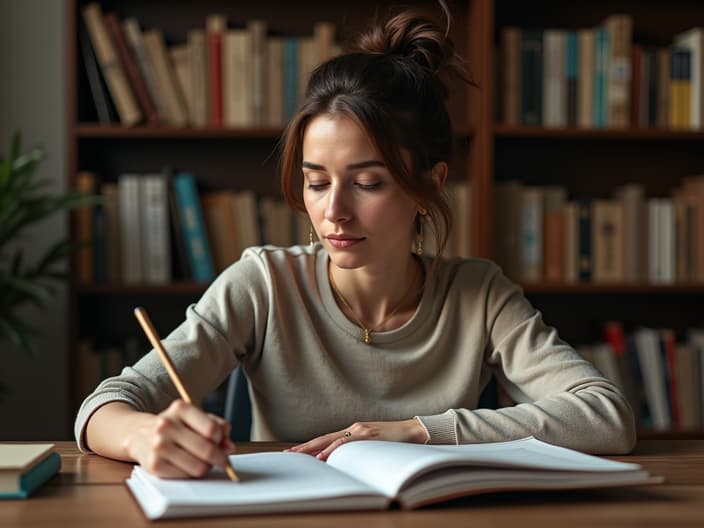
{"x": 554, "y": 78}
{"x": 620, "y": 35}
{"x": 101, "y": 99}
{"x": 584, "y": 244}
{"x": 275, "y": 81}
{"x": 86, "y": 183}
{"x": 166, "y": 77}
{"x": 216, "y": 26}
{"x": 193, "y": 226}
{"x": 238, "y": 110}
{"x": 114, "y": 74}
{"x": 511, "y": 74}
{"x": 290, "y": 77}
{"x": 221, "y": 226}
{"x": 129, "y": 63}
{"x": 370, "y": 475}
{"x": 531, "y": 77}
{"x": 26, "y": 467}
{"x": 693, "y": 41}
{"x": 135, "y": 38}
{"x": 130, "y": 228}
{"x": 198, "y": 50}
{"x": 585, "y": 81}
{"x": 156, "y": 239}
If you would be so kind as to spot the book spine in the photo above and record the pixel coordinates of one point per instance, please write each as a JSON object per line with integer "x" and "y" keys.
{"x": 199, "y": 70}
{"x": 585, "y": 238}
{"x": 130, "y": 228}
{"x": 114, "y": 75}
{"x": 131, "y": 69}
{"x": 215, "y": 29}
{"x": 193, "y": 226}
{"x": 531, "y": 77}
{"x": 97, "y": 89}
{"x": 290, "y": 81}
{"x": 85, "y": 230}
{"x": 585, "y": 91}
{"x": 156, "y": 240}
{"x": 38, "y": 475}
{"x": 572, "y": 74}
{"x": 166, "y": 77}
{"x": 133, "y": 34}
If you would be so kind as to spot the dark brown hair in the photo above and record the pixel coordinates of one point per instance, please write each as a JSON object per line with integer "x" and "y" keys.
{"x": 389, "y": 84}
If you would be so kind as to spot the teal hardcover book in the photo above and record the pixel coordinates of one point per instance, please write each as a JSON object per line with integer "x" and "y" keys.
{"x": 25, "y": 467}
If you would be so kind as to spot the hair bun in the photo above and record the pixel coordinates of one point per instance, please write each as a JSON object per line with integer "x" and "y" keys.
{"x": 412, "y": 35}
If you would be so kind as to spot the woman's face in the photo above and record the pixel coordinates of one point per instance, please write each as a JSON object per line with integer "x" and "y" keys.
{"x": 359, "y": 212}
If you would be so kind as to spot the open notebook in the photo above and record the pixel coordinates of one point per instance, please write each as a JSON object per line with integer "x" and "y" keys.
{"x": 370, "y": 475}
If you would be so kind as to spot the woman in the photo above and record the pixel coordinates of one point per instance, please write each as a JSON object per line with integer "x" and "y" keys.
{"x": 358, "y": 337}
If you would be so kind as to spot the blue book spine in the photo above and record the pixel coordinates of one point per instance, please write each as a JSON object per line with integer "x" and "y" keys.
{"x": 193, "y": 225}
{"x": 290, "y": 77}
{"x": 30, "y": 481}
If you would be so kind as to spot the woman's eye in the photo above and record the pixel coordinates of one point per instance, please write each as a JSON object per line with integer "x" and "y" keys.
{"x": 317, "y": 186}
{"x": 369, "y": 186}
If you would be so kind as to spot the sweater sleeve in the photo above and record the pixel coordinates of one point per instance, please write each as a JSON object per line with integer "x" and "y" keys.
{"x": 223, "y": 327}
{"x": 561, "y": 398}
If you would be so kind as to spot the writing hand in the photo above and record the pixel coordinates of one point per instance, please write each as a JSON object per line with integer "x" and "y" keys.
{"x": 400, "y": 431}
{"x": 180, "y": 442}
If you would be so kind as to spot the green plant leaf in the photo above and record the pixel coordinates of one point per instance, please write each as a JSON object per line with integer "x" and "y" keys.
{"x": 60, "y": 250}
{"x": 18, "y": 333}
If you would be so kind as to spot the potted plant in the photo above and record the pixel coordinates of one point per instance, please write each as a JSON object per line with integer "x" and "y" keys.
{"x": 25, "y": 201}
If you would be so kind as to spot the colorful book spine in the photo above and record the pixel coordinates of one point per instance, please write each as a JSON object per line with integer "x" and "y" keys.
{"x": 193, "y": 224}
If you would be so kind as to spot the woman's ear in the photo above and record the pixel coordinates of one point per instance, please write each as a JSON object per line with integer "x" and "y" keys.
{"x": 439, "y": 174}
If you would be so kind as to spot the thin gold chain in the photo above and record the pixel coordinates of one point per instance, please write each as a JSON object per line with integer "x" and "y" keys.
{"x": 366, "y": 330}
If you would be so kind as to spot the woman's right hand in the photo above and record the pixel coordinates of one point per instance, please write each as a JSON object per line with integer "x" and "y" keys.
{"x": 180, "y": 442}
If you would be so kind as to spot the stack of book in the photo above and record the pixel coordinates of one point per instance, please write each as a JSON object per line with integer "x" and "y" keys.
{"x": 660, "y": 375}
{"x": 599, "y": 78}
{"x": 220, "y": 76}
{"x": 542, "y": 235}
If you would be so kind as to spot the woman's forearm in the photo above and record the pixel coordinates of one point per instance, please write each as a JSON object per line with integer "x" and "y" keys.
{"x": 110, "y": 427}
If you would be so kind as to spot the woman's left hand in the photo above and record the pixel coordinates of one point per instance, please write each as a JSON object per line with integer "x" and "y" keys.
{"x": 401, "y": 431}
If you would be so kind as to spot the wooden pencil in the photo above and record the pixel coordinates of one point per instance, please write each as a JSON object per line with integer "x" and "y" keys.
{"x": 153, "y": 336}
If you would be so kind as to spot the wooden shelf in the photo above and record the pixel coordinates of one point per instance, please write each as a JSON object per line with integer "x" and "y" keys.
{"x": 174, "y": 288}
{"x": 616, "y": 288}
{"x": 114, "y": 131}
{"x": 94, "y": 130}
{"x": 659, "y": 134}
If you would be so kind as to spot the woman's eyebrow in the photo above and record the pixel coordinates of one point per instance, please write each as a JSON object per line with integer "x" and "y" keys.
{"x": 351, "y": 166}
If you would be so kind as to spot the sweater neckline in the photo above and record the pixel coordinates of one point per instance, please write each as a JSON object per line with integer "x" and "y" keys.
{"x": 353, "y": 330}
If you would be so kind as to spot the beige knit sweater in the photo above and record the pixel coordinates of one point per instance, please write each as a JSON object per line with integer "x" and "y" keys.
{"x": 273, "y": 312}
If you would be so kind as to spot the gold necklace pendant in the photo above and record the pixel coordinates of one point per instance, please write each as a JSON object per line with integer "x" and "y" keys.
{"x": 367, "y": 336}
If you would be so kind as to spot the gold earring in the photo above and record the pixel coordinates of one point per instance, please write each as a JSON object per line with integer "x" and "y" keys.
{"x": 419, "y": 238}
{"x": 310, "y": 236}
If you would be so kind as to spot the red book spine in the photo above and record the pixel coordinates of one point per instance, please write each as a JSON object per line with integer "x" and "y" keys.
{"x": 146, "y": 104}
{"x": 215, "y": 81}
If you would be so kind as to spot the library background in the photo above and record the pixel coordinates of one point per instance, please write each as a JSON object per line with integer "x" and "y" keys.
{"x": 578, "y": 167}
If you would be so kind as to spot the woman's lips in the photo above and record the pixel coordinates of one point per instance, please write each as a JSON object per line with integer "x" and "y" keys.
{"x": 343, "y": 242}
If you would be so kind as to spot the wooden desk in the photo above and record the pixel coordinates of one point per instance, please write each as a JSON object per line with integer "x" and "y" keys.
{"x": 89, "y": 491}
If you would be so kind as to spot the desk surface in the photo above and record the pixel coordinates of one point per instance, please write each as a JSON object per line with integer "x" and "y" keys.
{"x": 89, "y": 491}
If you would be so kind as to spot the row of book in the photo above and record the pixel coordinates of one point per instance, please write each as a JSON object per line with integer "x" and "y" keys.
{"x": 598, "y": 78}
{"x": 660, "y": 373}
{"x": 661, "y": 376}
{"x": 156, "y": 228}
{"x": 220, "y": 77}
{"x": 542, "y": 235}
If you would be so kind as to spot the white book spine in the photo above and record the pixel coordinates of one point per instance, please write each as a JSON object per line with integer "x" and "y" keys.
{"x": 130, "y": 228}
{"x": 156, "y": 242}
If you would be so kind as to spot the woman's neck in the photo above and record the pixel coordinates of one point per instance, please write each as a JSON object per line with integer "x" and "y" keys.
{"x": 379, "y": 299}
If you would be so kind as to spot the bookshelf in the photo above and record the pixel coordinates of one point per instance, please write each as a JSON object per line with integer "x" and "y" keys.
{"x": 488, "y": 152}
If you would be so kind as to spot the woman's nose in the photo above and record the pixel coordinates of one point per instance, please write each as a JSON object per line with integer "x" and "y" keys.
{"x": 337, "y": 209}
